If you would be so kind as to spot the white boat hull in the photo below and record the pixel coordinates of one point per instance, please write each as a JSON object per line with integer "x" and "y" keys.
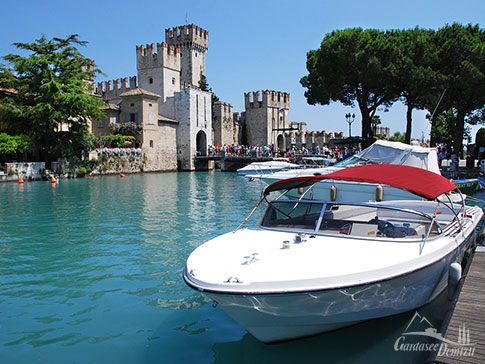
{"x": 285, "y": 316}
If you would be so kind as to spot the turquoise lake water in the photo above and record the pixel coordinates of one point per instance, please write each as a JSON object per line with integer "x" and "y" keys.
{"x": 91, "y": 272}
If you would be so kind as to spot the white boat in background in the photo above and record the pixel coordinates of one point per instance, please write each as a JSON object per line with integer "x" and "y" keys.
{"x": 317, "y": 265}
{"x": 381, "y": 152}
{"x": 262, "y": 168}
{"x": 317, "y": 162}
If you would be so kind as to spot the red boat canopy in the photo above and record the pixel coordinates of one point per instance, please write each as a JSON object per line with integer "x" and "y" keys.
{"x": 415, "y": 180}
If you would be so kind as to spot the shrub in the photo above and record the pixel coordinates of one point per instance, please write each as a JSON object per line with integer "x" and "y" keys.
{"x": 81, "y": 171}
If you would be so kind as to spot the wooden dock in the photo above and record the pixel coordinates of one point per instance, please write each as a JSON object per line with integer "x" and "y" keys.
{"x": 466, "y": 322}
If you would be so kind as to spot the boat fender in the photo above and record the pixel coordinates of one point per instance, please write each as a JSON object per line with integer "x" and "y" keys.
{"x": 379, "y": 193}
{"x": 454, "y": 276}
{"x": 333, "y": 193}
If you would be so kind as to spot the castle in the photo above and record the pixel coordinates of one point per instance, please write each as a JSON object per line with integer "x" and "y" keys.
{"x": 163, "y": 105}
{"x": 174, "y": 120}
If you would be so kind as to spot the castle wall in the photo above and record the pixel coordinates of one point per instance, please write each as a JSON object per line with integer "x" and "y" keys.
{"x": 310, "y": 139}
{"x": 110, "y": 91}
{"x": 194, "y": 114}
{"x": 237, "y": 118}
{"x": 223, "y": 124}
{"x": 160, "y": 147}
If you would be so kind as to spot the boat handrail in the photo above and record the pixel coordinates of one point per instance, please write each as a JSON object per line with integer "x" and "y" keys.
{"x": 360, "y": 204}
{"x": 315, "y": 230}
{"x": 452, "y": 209}
{"x": 421, "y": 246}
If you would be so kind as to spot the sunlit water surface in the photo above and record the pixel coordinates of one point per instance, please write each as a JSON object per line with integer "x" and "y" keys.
{"x": 91, "y": 272}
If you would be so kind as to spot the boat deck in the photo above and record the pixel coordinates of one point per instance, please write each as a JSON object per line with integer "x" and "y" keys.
{"x": 466, "y": 321}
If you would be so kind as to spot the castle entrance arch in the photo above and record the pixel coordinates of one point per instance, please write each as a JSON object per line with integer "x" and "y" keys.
{"x": 280, "y": 143}
{"x": 201, "y": 143}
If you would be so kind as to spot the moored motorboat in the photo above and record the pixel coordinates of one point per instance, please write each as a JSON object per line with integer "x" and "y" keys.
{"x": 317, "y": 265}
{"x": 268, "y": 167}
{"x": 467, "y": 186}
{"x": 380, "y": 152}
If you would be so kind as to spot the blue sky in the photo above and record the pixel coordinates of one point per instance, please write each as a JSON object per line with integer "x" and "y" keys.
{"x": 253, "y": 45}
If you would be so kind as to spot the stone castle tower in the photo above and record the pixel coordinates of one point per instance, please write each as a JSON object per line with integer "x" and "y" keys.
{"x": 193, "y": 43}
{"x": 267, "y": 119}
{"x": 159, "y": 72}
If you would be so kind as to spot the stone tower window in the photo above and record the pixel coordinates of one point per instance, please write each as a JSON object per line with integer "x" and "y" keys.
{"x": 173, "y": 80}
{"x": 150, "y": 80}
{"x": 151, "y": 143}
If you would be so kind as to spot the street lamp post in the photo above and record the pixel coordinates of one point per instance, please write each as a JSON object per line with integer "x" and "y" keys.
{"x": 350, "y": 119}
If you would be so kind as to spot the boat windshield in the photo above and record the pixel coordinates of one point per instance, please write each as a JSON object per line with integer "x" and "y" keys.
{"x": 358, "y": 220}
{"x": 353, "y": 161}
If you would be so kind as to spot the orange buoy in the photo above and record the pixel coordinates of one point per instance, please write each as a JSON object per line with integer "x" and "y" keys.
{"x": 122, "y": 175}
{"x": 21, "y": 180}
{"x": 53, "y": 179}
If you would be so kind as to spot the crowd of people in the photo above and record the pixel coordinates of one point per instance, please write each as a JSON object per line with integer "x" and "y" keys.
{"x": 336, "y": 152}
{"x": 445, "y": 153}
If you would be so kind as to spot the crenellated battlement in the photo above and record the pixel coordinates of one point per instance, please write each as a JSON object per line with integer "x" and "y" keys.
{"x": 187, "y": 35}
{"x": 166, "y": 55}
{"x": 270, "y": 98}
{"x": 149, "y": 49}
{"x": 113, "y": 88}
{"x": 89, "y": 66}
{"x": 310, "y": 139}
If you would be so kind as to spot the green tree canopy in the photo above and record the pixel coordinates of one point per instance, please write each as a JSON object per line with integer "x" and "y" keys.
{"x": 53, "y": 102}
{"x": 374, "y": 69}
{"x": 352, "y": 65}
{"x": 461, "y": 55}
{"x": 8, "y": 145}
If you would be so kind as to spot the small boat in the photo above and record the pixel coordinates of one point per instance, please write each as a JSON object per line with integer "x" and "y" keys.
{"x": 259, "y": 168}
{"x": 467, "y": 186}
{"x": 314, "y": 265}
{"x": 481, "y": 181}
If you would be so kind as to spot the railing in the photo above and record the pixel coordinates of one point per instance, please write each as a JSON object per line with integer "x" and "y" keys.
{"x": 368, "y": 221}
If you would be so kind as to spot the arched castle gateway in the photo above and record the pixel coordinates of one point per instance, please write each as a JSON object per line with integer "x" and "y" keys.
{"x": 168, "y": 113}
